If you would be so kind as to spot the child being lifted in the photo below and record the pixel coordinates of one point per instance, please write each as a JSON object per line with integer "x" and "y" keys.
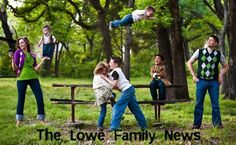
{"x": 135, "y": 16}
{"x": 48, "y": 41}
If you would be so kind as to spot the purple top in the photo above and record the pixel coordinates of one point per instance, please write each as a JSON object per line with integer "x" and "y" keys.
{"x": 19, "y": 59}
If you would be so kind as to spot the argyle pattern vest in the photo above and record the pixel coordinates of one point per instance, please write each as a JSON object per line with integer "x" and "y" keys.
{"x": 208, "y": 64}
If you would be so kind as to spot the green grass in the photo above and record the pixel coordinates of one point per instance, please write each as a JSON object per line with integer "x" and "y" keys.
{"x": 176, "y": 117}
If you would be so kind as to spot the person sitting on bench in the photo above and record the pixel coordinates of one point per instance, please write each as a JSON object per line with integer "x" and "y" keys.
{"x": 158, "y": 76}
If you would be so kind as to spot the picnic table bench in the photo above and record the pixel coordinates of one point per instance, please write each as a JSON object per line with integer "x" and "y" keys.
{"x": 156, "y": 103}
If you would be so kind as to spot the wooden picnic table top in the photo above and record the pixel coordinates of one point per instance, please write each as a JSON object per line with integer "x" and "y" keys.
{"x": 90, "y": 85}
{"x": 69, "y": 101}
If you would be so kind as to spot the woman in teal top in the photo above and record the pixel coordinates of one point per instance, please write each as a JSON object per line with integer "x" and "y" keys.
{"x": 24, "y": 63}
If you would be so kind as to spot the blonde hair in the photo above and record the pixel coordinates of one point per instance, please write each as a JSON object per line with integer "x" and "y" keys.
{"x": 99, "y": 68}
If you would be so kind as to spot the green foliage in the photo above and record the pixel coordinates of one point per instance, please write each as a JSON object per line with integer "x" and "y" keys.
{"x": 196, "y": 17}
{"x": 5, "y": 61}
{"x": 141, "y": 63}
{"x": 76, "y": 66}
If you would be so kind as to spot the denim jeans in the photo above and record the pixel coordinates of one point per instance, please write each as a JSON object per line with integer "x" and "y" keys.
{"x": 213, "y": 89}
{"x": 48, "y": 50}
{"x": 125, "y": 21}
{"x": 102, "y": 114}
{"x": 35, "y": 87}
{"x": 127, "y": 98}
{"x": 158, "y": 84}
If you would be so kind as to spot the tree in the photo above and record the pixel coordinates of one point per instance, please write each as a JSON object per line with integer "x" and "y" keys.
{"x": 3, "y": 17}
{"x": 165, "y": 49}
{"x": 179, "y": 69}
{"x": 232, "y": 51}
{"x": 127, "y": 46}
{"x": 103, "y": 25}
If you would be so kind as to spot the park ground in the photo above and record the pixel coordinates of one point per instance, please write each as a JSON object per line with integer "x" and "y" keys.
{"x": 175, "y": 117}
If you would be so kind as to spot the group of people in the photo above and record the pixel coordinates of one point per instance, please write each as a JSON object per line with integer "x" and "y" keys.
{"x": 208, "y": 78}
{"x": 110, "y": 76}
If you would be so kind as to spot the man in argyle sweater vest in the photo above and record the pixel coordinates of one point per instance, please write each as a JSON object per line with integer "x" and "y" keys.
{"x": 208, "y": 79}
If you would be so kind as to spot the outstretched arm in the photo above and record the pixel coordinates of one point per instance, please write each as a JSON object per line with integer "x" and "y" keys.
{"x": 40, "y": 41}
{"x": 37, "y": 67}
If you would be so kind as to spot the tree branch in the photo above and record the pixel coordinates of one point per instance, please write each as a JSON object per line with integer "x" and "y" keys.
{"x": 96, "y": 4}
{"x": 7, "y": 40}
{"x": 213, "y": 28}
{"x": 210, "y": 7}
{"x": 219, "y": 9}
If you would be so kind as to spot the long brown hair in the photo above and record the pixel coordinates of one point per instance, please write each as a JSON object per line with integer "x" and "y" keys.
{"x": 99, "y": 68}
{"x": 26, "y": 40}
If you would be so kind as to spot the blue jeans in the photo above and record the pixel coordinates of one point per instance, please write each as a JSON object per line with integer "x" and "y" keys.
{"x": 102, "y": 114}
{"x": 158, "y": 84}
{"x": 213, "y": 89}
{"x": 35, "y": 87}
{"x": 125, "y": 21}
{"x": 127, "y": 98}
{"x": 48, "y": 50}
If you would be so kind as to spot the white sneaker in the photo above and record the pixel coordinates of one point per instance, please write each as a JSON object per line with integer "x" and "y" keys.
{"x": 110, "y": 26}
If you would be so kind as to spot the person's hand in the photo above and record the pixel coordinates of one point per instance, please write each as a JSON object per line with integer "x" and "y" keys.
{"x": 220, "y": 79}
{"x": 102, "y": 76}
{"x": 195, "y": 79}
{"x": 10, "y": 54}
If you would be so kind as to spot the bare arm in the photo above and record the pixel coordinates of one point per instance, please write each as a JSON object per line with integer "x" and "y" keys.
{"x": 190, "y": 67}
{"x": 37, "y": 67}
{"x": 113, "y": 83}
{"x": 225, "y": 68}
{"x": 40, "y": 41}
{"x": 13, "y": 65}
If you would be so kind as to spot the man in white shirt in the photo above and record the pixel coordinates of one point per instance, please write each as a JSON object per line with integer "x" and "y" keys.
{"x": 134, "y": 17}
{"x": 208, "y": 78}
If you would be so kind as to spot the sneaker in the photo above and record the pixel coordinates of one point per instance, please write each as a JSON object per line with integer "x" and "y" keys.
{"x": 110, "y": 26}
{"x": 196, "y": 127}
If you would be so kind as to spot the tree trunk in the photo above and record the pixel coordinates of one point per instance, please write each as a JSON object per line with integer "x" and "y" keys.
{"x": 179, "y": 76}
{"x": 164, "y": 46}
{"x": 126, "y": 67}
{"x": 232, "y": 51}
{"x": 128, "y": 43}
{"x": 223, "y": 34}
{"x": 56, "y": 68}
{"x": 91, "y": 44}
{"x": 105, "y": 33}
{"x": 5, "y": 26}
{"x": 186, "y": 50}
{"x": 103, "y": 25}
